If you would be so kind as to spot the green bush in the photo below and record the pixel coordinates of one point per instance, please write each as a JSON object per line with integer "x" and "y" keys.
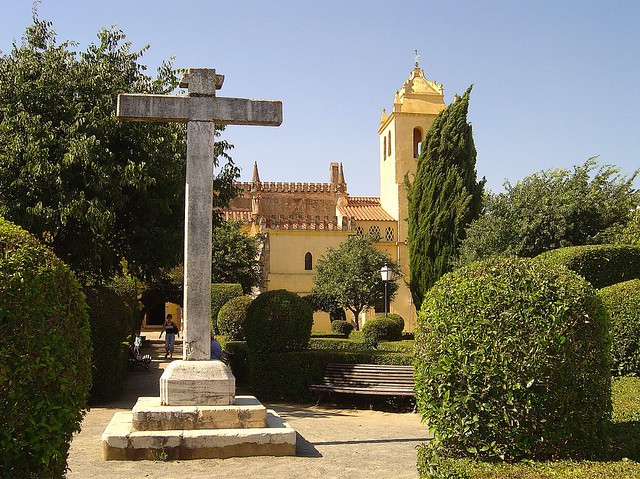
{"x": 601, "y": 265}
{"x": 622, "y": 301}
{"x": 232, "y": 317}
{"x": 513, "y": 361}
{"x": 110, "y": 319}
{"x": 341, "y": 327}
{"x": 398, "y": 319}
{"x": 45, "y": 357}
{"x": 278, "y": 320}
{"x": 286, "y": 376}
{"x": 239, "y": 361}
{"x": 341, "y": 343}
{"x": 381, "y": 329}
{"x": 220, "y": 294}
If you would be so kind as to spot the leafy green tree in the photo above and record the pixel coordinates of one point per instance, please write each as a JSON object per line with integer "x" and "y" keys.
{"x": 443, "y": 198}
{"x": 350, "y": 274}
{"x": 235, "y": 256}
{"x": 630, "y": 233}
{"x": 553, "y": 209}
{"x": 94, "y": 189}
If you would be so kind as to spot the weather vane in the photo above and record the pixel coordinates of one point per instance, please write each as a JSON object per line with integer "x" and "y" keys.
{"x": 417, "y": 58}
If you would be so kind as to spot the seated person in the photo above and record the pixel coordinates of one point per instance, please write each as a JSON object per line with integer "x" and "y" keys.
{"x": 216, "y": 349}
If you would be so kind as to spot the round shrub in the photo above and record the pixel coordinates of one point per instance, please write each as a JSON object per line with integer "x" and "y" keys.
{"x": 622, "y": 301}
{"x": 232, "y": 317}
{"x": 513, "y": 361}
{"x": 341, "y": 327}
{"x": 278, "y": 320}
{"x": 601, "y": 265}
{"x": 398, "y": 319}
{"x": 381, "y": 329}
{"x": 45, "y": 357}
{"x": 110, "y": 319}
{"x": 220, "y": 294}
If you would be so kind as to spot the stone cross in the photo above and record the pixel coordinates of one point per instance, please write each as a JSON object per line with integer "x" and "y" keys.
{"x": 200, "y": 110}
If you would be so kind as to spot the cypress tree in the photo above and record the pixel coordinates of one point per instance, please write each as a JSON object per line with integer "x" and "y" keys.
{"x": 444, "y": 197}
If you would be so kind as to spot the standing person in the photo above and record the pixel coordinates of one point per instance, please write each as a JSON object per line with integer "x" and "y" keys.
{"x": 170, "y": 330}
{"x": 137, "y": 344}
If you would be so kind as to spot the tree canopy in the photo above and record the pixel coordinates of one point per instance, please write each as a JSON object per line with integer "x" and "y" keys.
{"x": 553, "y": 209}
{"x": 93, "y": 188}
{"x": 350, "y": 275}
{"x": 235, "y": 256}
{"x": 443, "y": 198}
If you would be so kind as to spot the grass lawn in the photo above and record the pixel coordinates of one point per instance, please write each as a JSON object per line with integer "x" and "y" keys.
{"x": 623, "y": 460}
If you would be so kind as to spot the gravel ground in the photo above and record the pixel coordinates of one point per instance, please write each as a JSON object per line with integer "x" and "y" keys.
{"x": 332, "y": 443}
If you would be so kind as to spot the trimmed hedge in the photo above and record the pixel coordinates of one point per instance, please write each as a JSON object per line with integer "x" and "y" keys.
{"x": 286, "y": 376}
{"x": 278, "y": 320}
{"x": 111, "y": 321}
{"x": 45, "y": 357}
{"x": 397, "y": 318}
{"x": 622, "y": 300}
{"x": 220, "y": 294}
{"x": 232, "y": 317}
{"x": 601, "y": 265}
{"x": 239, "y": 362}
{"x": 382, "y": 329}
{"x": 341, "y": 327}
{"x": 513, "y": 362}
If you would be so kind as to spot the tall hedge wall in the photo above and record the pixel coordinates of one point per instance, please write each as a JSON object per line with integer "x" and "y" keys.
{"x": 45, "y": 357}
{"x": 111, "y": 321}
{"x": 601, "y": 265}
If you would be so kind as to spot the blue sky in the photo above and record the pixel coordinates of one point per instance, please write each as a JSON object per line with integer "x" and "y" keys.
{"x": 555, "y": 82}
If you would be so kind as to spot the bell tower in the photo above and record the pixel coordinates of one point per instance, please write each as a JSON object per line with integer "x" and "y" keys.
{"x": 401, "y": 134}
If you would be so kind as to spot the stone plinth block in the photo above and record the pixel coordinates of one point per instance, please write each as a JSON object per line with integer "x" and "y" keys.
{"x": 246, "y": 412}
{"x": 121, "y": 442}
{"x": 197, "y": 383}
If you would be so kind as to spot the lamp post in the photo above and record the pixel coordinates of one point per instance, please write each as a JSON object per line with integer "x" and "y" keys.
{"x": 385, "y": 273}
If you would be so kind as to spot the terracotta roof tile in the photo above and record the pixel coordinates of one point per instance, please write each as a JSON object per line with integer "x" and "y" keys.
{"x": 365, "y": 208}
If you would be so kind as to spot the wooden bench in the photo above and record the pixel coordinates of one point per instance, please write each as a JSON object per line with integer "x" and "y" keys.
{"x": 377, "y": 379}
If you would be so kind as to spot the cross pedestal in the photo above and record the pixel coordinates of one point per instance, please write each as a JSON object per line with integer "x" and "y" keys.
{"x": 201, "y": 110}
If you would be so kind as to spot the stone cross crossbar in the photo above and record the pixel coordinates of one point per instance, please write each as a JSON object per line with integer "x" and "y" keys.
{"x": 201, "y": 110}
{"x": 181, "y": 109}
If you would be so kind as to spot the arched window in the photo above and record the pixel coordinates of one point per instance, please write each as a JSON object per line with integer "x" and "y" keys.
{"x": 388, "y": 234}
{"x": 389, "y": 142}
{"x": 308, "y": 262}
{"x": 384, "y": 148}
{"x": 417, "y": 141}
{"x": 374, "y": 232}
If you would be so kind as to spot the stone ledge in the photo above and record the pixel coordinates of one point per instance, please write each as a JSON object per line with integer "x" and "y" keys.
{"x": 246, "y": 412}
{"x": 121, "y": 442}
{"x": 197, "y": 383}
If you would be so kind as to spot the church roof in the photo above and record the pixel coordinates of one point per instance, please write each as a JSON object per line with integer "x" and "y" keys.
{"x": 364, "y": 208}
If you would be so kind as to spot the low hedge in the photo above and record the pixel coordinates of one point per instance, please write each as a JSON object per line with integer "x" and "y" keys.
{"x": 111, "y": 321}
{"x": 286, "y": 376}
{"x": 338, "y": 344}
{"x": 239, "y": 362}
{"x": 601, "y": 265}
{"x": 622, "y": 300}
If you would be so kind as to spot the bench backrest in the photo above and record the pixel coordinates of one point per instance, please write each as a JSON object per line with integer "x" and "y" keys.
{"x": 367, "y": 374}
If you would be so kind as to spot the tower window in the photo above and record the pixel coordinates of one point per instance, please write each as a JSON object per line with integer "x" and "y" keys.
{"x": 388, "y": 234}
{"x": 384, "y": 148}
{"x": 389, "y": 143}
{"x": 308, "y": 262}
{"x": 417, "y": 142}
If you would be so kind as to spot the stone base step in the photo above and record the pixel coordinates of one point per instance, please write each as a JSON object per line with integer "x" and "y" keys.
{"x": 245, "y": 412}
{"x": 121, "y": 442}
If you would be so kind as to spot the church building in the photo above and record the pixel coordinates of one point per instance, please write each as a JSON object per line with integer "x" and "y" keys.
{"x": 297, "y": 222}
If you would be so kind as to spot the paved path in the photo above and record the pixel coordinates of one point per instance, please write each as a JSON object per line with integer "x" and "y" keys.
{"x": 332, "y": 443}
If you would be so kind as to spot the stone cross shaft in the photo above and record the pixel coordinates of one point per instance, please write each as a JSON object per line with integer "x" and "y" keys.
{"x": 201, "y": 110}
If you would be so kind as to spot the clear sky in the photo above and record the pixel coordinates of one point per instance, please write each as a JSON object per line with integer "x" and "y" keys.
{"x": 555, "y": 81}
